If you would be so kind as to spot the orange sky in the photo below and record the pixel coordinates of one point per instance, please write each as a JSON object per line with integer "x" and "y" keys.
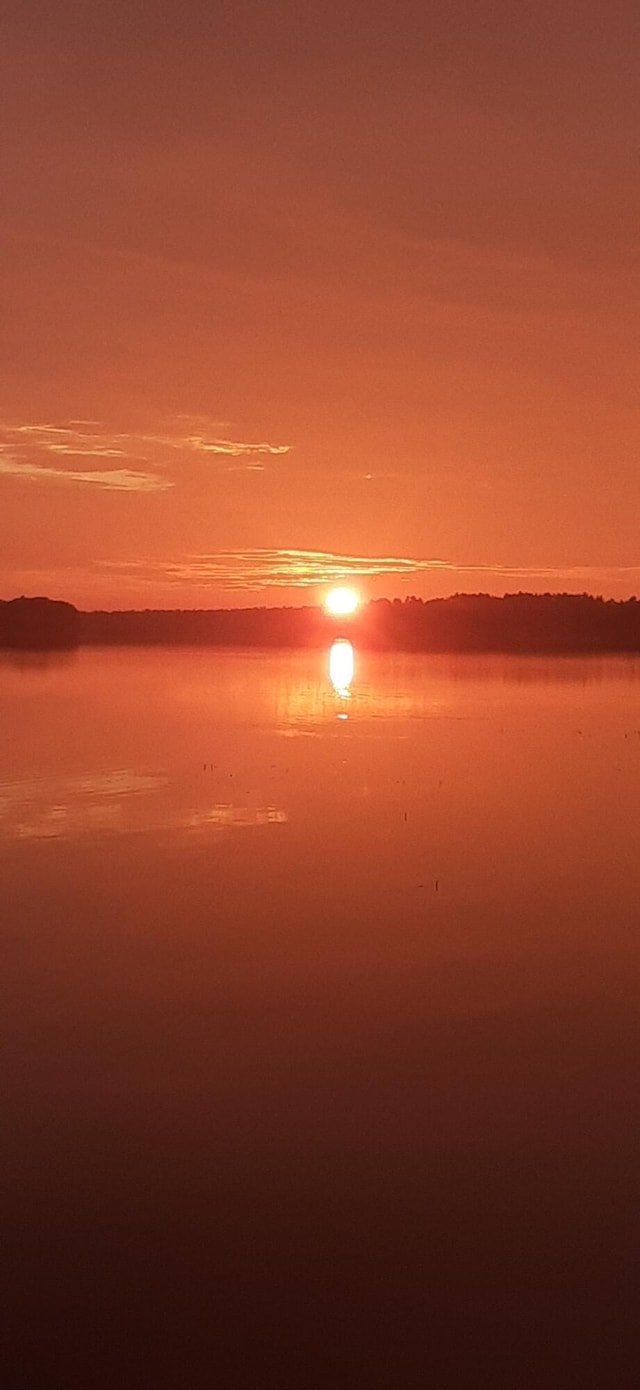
{"x": 292, "y": 292}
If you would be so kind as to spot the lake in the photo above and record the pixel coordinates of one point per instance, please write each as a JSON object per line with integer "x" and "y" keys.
{"x": 321, "y": 1019}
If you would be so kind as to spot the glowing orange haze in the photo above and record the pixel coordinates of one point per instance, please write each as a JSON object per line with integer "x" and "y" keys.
{"x": 296, "y": 296}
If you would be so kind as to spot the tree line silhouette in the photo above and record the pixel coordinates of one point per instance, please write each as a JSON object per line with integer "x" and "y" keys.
{"x": 522, "y": 623}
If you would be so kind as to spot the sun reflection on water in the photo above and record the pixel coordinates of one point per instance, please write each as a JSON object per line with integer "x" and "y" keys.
{"x": 341, "y": 667}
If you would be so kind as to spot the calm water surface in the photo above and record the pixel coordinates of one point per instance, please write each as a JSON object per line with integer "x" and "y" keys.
{"x": 322, "y": 1033}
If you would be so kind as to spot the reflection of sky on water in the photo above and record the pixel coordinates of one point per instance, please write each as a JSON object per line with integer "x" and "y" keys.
{"x": 429, "y": 972}
{"x": 57, "y": 807}
{"x": 362, "y": 686}
{"x": 188, "y": 795}
{"x": 207, "y": 743}
{"x": 237, "y": 816}
{"x": 398, "y": 690}
{"x": 120, "y": 801}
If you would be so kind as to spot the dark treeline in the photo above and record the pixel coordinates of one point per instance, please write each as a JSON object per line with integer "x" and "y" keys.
{"x": 39, "y": 624}
{"x": 523, "y": 623}
{"x": 221, "y": 627}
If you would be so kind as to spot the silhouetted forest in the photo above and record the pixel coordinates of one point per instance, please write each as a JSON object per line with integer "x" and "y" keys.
{"x": 38, "y": 624}
{"x": 523, "y": 623}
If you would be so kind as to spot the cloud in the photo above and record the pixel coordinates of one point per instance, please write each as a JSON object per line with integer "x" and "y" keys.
{"x": 29, "y": 448}
{"x": 263, "y": 569}
{"x": 38, "y": 453}
{"x": 267, "y": 569}
{"x": 229, "y": 448}
{"x": 259, "y": 569}
{"x": 86, "y": 453}
{"x": 286, "y": 576}
{"x": 112, "y": 479}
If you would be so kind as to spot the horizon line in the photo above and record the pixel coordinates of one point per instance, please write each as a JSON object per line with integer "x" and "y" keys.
{"x": 364, "y": 604}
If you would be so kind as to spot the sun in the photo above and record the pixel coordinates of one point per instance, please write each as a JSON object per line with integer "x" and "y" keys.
{"x": 341, "y": 602}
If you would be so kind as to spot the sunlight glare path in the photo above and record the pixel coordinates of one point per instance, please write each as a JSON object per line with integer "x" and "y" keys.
{"x": 341, "y": 667}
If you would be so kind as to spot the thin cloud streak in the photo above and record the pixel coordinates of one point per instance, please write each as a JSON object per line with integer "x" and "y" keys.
{"x": 31, "y": 445}
{"x": 258, "y": 570}
{"x": 86, "y": 453}
{"x": 112, "y": 480}
{"x": 229, "y": 448}
{"x": 68, "y": 439}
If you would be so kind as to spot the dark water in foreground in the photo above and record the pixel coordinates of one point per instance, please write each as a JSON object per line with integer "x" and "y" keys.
{"x": 321, "y": 1033}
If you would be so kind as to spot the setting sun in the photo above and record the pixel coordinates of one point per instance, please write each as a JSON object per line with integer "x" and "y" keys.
{"x": 341, "y": 602}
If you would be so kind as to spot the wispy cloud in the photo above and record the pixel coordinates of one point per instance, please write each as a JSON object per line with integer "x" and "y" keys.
{"x": 267, "y": 569}
{"x": 27, "y": 450}
{"x": 229, "y": 448}
{"x": 272, "y": 576}
{"x": 86, "y": 453}
{"x": 257, "y": 570}
{"x": 260, "y": 569}
{"x": 112, "y": 479}
{"x": 38, "y": 453}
